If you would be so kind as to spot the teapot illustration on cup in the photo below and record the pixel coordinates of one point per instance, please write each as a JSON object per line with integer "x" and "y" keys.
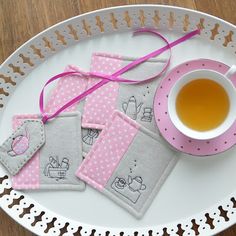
{"x": 131, "y": 108}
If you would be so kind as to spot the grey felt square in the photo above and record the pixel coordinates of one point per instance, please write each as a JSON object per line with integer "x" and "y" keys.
{"x": 136, "y": 100}
{"x": 17, "y": 150}
{"x": 56, "y": 162}
{"x": 62, "y": 152}
{"x": 128, "y": 163}
{"x": 141, "y": 173}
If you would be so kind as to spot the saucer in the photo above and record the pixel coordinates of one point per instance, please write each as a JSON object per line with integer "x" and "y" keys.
{"x": 170, "y": 133}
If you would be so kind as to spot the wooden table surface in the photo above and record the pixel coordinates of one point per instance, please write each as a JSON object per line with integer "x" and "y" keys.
{"x": 22, "y": 19}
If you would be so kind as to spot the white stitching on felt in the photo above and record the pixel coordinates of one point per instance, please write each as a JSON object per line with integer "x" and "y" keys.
{"x": 31, "y": 152}
{"x": 76, "y": 115}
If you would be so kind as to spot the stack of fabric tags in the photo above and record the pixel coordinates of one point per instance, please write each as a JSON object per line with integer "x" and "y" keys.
{"x": 108, "y": 140}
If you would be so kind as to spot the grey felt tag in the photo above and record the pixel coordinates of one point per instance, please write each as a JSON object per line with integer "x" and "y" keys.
{"x": 22, "y": 145}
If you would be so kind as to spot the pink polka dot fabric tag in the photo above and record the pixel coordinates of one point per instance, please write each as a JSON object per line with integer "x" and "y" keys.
{"x": 54, "y": 165}
{"x": 118, "y": 166}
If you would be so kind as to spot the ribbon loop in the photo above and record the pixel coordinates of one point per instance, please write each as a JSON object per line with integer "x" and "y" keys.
{"x": 44, "y": 118}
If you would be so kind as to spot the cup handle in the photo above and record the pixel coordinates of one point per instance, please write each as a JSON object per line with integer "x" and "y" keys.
{"x": 231, "y": 71}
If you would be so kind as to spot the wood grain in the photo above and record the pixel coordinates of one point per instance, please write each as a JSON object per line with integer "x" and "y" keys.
{"x": 22, "y": 19}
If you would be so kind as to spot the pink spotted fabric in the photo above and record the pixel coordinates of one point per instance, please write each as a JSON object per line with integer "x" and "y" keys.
{"x": 108, "y": 151}
{"x": 20, "y": 144}
{"x": 67, "y": 88}
{"x": 28, "y": 177}
{"x": 100, "y": 104}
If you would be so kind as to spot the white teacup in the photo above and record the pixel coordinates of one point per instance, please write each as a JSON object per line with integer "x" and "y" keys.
{"x": 221, "y": 79}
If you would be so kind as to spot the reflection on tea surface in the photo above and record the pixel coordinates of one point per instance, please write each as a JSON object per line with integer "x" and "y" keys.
{"x": 202, "y": 104}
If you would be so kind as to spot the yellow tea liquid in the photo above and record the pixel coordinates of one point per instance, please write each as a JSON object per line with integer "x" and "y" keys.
{"x": 202, "y": 104}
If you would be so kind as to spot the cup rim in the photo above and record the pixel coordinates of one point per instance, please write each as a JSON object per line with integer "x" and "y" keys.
{"x": 209, "y": 134}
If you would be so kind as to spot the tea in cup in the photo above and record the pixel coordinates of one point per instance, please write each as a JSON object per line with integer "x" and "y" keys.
{"x": 202, "y": 103}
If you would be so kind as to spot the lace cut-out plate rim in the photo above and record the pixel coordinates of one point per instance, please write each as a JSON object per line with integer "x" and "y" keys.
{"x": 36, "y": 217}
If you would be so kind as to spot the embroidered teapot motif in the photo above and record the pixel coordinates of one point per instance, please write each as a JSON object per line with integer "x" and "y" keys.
{"x": 131, "y": 189}
{"x": 20, "y": 144}
{"x": 131, "y": 108}
{"x": 136, "y": 183}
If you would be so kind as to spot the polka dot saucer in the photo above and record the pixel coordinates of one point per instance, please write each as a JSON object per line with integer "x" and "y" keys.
{"x": 172, "y": 135}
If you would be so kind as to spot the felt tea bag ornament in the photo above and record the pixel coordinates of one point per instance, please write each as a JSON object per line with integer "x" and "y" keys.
{"x": 136, "y": 100}
{"x": 54, "y": 165}
{"x": 128, "y": 163}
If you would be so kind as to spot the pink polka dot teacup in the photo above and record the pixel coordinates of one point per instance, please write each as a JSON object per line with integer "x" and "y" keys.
{"x": 202, "y": 103}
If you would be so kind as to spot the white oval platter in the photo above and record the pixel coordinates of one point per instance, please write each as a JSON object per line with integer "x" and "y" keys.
{"x": 199, "y": 197}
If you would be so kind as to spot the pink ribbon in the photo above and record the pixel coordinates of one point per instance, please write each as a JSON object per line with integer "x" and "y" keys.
{"x": 115, "y": 76}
